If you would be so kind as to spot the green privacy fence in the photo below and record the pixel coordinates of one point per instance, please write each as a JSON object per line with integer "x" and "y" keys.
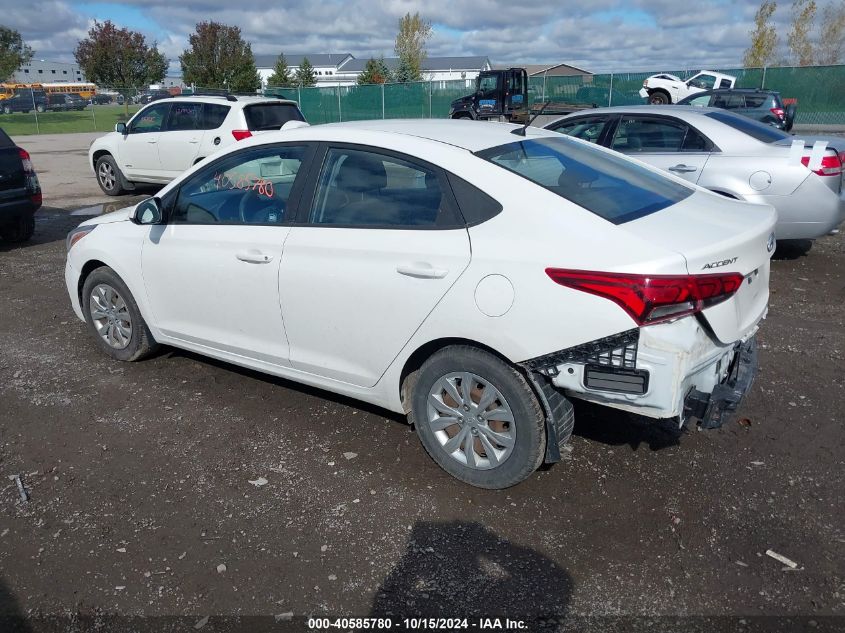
{"x": 818, "y": 90}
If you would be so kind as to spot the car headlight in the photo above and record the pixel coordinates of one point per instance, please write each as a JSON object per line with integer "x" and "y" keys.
{"x": 77, "y": 234}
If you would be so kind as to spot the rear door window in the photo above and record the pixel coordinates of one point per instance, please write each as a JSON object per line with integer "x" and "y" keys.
{"x": 606, "y": 184}
{"x": 635, "y": 134}
{"x": 184, "y": 116}
{"x": 359, "y": 188}
{"x": 757, "y": 101}
{"x": 271, "y": 116}
{"x": 729, "y": 101}
{"x": 585, "y": 128}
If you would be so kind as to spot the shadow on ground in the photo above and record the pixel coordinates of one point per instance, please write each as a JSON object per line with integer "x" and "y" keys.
{"x": 459, "y": 569}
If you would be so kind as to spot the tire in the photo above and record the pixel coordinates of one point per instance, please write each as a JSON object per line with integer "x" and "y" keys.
{"x": 109, "y": 307}
{"x": 39, "y": 108}
{"x": 658, "y": 98}
{"x": 462, "y": 115}
{"x": 7, "y": 110}
{"x": 109, "y": 177}
{"x": 21, "y": 229}
{"x": 518, "y": 445}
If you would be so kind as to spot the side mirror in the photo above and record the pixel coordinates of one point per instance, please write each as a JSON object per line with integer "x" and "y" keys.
{"x": 147, "y": 212}
{"x": 120, "y": 128}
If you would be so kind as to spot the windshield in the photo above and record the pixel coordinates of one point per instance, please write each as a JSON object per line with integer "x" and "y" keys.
{"x": 760, "y": 131}
{"x": 611, "y": 186}
{"x": 271, "y": 116}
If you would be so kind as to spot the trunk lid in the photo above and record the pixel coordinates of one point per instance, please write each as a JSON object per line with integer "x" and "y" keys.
{"x": 717, "y": 235}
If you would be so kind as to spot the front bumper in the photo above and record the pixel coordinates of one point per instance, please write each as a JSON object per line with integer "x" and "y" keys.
{"x": 72, "y": 282}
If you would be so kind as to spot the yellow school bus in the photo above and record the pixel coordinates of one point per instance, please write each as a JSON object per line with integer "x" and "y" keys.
{"x": 8, "y": 89}
{"x": 84, "y": 90}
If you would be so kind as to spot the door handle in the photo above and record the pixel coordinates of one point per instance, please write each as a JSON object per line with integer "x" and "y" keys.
{"x": 253, "y": 256}
{"x": 194, "y": 141}
{"x": 683, "y": 169}
{"x": 421, "y": 270}
{"x": 152, "y": 142}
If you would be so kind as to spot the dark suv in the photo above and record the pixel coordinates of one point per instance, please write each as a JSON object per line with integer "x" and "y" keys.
{"x": 763, "y": 105}
{"x": 61, "y": 102}
{"x": 20, "y": 193}
{"x": 25, "y": 100}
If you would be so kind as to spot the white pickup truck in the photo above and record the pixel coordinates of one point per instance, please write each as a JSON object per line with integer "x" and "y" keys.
{"x": 665, "y": 88}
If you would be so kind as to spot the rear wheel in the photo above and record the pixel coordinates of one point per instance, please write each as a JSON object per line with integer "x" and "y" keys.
{"x": 658, "y": 98}
{"x": 478, "y": 417}
{"x": 108, "y": 176}
{"x": 113, "y": 317}
{"x": 20, "y": 230}
{"x": 39, "y": 108}
{"x": 7, "y": 110}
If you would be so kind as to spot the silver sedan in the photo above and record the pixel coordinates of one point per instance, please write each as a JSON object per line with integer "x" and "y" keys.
{"x": 731, "y": 155}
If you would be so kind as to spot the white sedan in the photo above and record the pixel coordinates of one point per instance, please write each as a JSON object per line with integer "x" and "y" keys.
{"x": 469, "y": 276}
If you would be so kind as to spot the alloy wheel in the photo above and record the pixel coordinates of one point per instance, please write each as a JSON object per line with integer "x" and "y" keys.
{"x": 110, "y": 316}
{"x": 107, "y": 176}
{"x": 471, "y": 420}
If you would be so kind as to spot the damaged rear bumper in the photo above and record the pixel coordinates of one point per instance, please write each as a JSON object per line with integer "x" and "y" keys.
{"x": 711, "y": 408}
{"x": 673, "y": 370}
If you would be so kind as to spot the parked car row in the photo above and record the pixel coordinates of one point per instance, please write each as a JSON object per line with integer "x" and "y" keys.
{"x": 644, "y": 232}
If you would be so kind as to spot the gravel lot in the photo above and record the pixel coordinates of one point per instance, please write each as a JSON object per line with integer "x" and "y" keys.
{"x": 141, "y": 502}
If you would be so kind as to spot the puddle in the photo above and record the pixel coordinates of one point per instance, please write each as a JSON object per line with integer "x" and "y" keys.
{"x": 103, "y": 208}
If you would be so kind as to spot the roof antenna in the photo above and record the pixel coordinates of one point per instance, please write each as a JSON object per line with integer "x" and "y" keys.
{"x": 521, "y": 130}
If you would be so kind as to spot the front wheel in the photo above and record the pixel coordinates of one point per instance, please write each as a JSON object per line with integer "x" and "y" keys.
{"x": 658, "y": 98}
{"x": 108, "y": 176}
{"x": 113, "y": 317}
{"x": 7, "y": 110}
{"x": 478, "y": 417}
{"x": 39, "y": 108}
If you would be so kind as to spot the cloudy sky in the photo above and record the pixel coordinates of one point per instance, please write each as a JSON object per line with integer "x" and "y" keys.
{"x": 599, "y": 35}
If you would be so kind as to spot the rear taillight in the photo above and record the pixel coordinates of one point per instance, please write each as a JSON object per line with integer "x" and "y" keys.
{"x": 778, "y": 112}
{"x": 27, "y": 161}
{"x": 650, "y": 299}
{"x": 831, "y": 165}
{"x": 36, "y": 199}
{"x": 241, "y": 134}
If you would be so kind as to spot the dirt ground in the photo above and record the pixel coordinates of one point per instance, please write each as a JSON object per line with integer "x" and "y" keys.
{"x": 141, "y": 504}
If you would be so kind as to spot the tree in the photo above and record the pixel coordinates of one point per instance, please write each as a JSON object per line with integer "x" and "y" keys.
{"x": 281, "y": 74}
{"x": 14, "y": 53}
{"x": 119, "y": 59}
{"x": 375, "y": 72}
{"x": 413, "y": 33}
{"x": 218, "y": 57}
{"x": 798, "y": 40}
{"x": 305, "y": 74}
{"x": 831, "y": 35}
{"x": 764, "y": 38}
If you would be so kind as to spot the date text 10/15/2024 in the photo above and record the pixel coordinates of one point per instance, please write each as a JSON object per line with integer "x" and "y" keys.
{"x": 417, "y": 624}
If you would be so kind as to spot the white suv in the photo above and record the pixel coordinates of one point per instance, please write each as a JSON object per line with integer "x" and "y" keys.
{"x": 665, "y": 88}
{"x": 168, "y": 136}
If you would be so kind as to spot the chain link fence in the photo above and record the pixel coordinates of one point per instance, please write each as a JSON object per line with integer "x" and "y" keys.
{"x": 819, "y": 92}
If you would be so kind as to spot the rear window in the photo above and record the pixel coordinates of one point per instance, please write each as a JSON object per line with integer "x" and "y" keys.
{"x": 271, "y": 116}
{"x": 611, "y": 186}
{"x": 760, "y": 131}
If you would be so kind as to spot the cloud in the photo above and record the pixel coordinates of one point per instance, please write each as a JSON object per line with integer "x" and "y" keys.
{"x": 600, "y": 35}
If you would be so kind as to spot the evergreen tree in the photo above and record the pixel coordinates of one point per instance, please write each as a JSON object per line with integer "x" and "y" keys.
{"x": 219, "y": 57}
{"x": 375, "y": 72}
{"x": 281, "y": 76}
{"x": 305, "y": 74}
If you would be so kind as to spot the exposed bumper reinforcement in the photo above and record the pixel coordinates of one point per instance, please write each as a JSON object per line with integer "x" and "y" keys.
{"x": 711, "y": 408}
